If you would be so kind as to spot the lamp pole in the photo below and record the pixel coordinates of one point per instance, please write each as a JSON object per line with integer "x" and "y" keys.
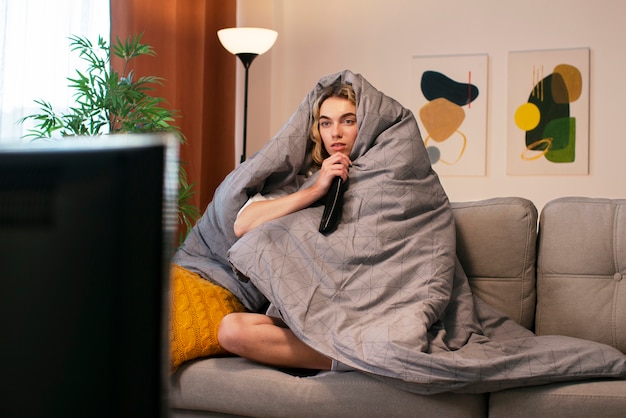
{"x": 247, "y": 44}
{"x": 246, "y": 58}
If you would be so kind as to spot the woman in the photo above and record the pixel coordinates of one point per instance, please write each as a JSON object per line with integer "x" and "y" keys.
{"x": 264, "y": 338}
{"x": 368, "y": 296}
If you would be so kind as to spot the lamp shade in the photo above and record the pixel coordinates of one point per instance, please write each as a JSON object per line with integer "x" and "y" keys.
{"x": 247, "y": 40}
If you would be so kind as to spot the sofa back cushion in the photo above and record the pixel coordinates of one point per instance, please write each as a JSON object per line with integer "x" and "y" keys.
{"x": 582, "y": 270}
{"x": 496, "y": 244}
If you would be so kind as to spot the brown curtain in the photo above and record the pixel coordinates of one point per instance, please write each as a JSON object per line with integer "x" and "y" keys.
{"x": 199, "y": 77}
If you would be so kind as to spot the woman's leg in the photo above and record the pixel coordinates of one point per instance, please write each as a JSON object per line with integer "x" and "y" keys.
{"x": 267, "y": 340}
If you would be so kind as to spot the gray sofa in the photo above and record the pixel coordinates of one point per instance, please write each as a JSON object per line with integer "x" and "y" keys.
{"x": 560, "y": 274}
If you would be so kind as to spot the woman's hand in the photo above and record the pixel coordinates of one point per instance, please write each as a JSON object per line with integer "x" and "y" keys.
{"x": 336, "y": 165}
{"x": 263, "y": 211}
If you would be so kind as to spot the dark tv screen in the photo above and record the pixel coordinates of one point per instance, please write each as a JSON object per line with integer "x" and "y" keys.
{"x": 86, "y": 232}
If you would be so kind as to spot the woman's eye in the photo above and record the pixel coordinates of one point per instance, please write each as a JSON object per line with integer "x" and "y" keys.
{"x": 349, "y": 121}
{"x": 324, "y": 124}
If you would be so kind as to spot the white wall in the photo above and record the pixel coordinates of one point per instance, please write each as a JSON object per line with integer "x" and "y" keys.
{"x": 378, "y": 39}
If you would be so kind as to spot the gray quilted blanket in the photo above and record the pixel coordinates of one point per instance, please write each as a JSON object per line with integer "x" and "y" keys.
{"x": 384, "y": 293}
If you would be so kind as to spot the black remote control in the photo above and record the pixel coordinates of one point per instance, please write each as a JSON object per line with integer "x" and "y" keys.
{"x": 333, "y": 206}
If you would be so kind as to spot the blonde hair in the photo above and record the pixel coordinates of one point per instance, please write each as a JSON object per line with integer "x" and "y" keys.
{"x": 341, "y": 90}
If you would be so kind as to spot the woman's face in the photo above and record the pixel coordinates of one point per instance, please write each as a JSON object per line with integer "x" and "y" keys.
{"x": 337, "y": 125}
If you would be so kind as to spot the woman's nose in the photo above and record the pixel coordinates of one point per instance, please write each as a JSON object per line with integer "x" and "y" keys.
{"x": 337, "y": 131}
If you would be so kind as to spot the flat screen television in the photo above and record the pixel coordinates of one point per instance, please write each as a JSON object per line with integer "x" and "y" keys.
{"x": 86, "y": 234}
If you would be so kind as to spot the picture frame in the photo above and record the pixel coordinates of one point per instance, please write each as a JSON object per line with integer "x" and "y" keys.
{"x": 449, "y": 99}
{"x": 548, "y": 112}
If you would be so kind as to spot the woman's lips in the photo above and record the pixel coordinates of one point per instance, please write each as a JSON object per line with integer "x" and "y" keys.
{"x": 338, "y": 146}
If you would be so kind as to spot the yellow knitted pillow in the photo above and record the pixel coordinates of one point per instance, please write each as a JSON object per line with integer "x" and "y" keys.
{"x": 196, "y": 308}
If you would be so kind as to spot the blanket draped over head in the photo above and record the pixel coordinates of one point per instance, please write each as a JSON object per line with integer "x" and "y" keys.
{"x": 384, "y": 293}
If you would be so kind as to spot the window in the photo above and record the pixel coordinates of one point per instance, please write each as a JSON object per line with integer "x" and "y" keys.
{"x": 35, "y": 56}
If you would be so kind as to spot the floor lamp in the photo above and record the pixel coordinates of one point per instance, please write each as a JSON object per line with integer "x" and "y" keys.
{"x": 247, "y": 44}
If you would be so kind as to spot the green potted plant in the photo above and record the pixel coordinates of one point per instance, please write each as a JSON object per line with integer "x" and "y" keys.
{"x": 110, "y": 102}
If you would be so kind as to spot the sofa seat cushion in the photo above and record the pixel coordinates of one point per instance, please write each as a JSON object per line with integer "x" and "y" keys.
{"x": 236, "y": 386}
{"x": 602, "y": 398}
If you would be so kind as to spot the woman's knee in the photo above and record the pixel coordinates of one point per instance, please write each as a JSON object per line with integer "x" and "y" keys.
{"x": 236, "y": 332}
{"x": 229, "y": 332}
